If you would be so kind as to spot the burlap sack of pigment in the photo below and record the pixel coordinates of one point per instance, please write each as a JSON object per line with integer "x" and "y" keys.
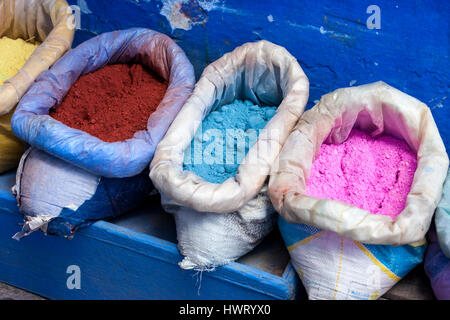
{"x": 341, "y": 251}
{"x": 92, "y": 179}
{"x": 218, "y": 223}
{"x": 47, "y": 22}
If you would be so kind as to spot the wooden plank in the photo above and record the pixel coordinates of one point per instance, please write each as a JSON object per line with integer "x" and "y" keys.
{"x": 8, "y": 292}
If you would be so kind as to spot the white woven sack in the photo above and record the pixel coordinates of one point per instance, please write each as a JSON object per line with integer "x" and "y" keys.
{"x": 341, "y": 251}
{"x": 217, "y": 223}
{"x": 375, "y": 108}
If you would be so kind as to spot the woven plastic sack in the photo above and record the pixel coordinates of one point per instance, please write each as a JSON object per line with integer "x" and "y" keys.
{"x": 59, "y": 198}
{"x": 47, "y": 22}
{"x": 218, "y": 223}
{"x": 161, "y": 54}
{"x": 340, "y": 251}
{"x": 442, "y": 219}
{"x": 437, "y": 259}
{"x": 332, "y": 267}
{"x": 437, "y": 268}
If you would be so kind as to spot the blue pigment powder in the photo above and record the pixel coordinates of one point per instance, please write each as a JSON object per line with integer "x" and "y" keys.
{"x": 224, "y": 138}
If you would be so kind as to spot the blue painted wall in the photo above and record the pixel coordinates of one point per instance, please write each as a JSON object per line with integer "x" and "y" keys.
{"x": 329, "y": 38}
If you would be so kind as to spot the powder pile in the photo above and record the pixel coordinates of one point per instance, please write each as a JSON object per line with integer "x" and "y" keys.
{"x": 371, "y": 174}
{"x": 13, "y": 55}
{"x": 112, "y": 103}
{"x": 240, "y": 122}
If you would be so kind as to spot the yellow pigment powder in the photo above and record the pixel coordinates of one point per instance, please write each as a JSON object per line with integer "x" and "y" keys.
{"x": 13, "y": 55}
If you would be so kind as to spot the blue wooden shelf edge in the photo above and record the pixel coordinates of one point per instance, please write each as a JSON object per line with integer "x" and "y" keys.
{"x": 115, "y": 262}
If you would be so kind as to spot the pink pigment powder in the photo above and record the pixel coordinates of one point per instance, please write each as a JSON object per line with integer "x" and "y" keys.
{"x": 371, "y": 174}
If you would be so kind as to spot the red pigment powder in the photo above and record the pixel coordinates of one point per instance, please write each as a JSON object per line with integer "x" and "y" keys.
{"x": 112, "y": 103}
{"x": 371, "y": 174}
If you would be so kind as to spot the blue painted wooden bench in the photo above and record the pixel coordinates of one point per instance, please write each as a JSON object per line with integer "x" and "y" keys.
{"x": 132, "y": 257}
{"x": 135, "y": 257}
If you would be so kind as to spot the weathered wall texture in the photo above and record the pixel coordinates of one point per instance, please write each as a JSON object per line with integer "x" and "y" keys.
{"x": 329, "y": 38}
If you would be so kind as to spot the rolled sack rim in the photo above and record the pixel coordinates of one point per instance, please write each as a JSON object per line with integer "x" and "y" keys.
{"x": 212, "y": 89}
{"x": 127, "y": 158}
{"x": 59, "y": 13}
{"x": 411, "y": 225}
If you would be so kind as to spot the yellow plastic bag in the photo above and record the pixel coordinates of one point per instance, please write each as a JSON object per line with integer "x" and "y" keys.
{"x": 49, "y": 22}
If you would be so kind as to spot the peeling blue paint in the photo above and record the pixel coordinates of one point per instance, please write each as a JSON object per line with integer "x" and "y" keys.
{"x": 183, "y": 14}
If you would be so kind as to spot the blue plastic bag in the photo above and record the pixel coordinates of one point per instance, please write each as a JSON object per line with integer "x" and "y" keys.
{"x": 437, "y": 268}
{"x": 161, "y": 54}
{"x": 59, "y": 198}
{"x": 437, "y": 259}
{"x": 442, "y": 218}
